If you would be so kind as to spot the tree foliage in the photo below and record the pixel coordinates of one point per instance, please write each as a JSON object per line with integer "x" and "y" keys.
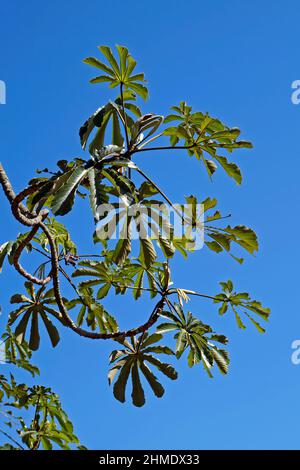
{"x": 107, "y": 175}
{"x": 31, "y": 417}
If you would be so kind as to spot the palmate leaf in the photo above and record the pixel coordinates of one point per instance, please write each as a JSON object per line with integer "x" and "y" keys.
{"x": 49, "y": 186}
{"x": 64, "y": 198}
{"x": 110, "y": 276}
{"x": 26, "y": 432}
{"x": 221, "y": 239}
{"x": 112, "y": 112}
{"x": 218, "y": 239}
{"x": 50, "y": 426}
{"x": 241, "y": 303}
{"x": 139, "y": 272}
{"x": 204, "y": 136}
{"x": 132, "y": 361}
{"x": 137, "y": 214}
{"x": 103, "y": 274}
{"x": 94, "y": 314}
{"x": 59, "y": 191}
{"x": 99, "y": 120}
{"x": 119, "y": 71}
{"x": 105, "y": 176}
{"x": 17, "y": 353}
{"x": 60, "y": 235}
{"x": 37, "y": 306}
{"x": 196, "y": 337}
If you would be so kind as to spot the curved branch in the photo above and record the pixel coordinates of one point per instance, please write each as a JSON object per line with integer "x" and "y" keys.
{"x": 22, "y": 214}
{"x": 26, "y": 217}
{"x": 7, "y": 187}
{"x": 9, "y": 192}
{"x": 17, "y": 256}
{"x": 168, "y": 147}
{"x": 65, "y": 314}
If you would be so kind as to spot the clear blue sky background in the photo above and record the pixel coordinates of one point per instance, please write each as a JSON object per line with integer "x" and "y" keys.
{"x": 236, "y": 60}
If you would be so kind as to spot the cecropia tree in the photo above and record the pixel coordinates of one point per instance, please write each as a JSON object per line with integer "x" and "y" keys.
{"x": 137, "y": 262}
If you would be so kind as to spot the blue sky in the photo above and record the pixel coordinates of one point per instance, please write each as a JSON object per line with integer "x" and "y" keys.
{"x": 237, "y": 61}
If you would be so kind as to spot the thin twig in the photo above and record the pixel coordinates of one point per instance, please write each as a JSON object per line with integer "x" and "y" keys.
{"x": 12, "y": 439}
{"x": 163, "y": 195}
{"x": 136, "y": 288}
{"x": 41, "y": 252}
{"x": 65, "y": 274}
{"x": 198, "y": 294}
{"x": 124, "y": 115}
{"x": 168, "y": 147}
{"x": 150, "y": 140}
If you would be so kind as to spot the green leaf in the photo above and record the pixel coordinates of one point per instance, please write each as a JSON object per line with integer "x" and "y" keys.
{"x": 147, "y": 190}
{"x": 138, "y": 395}
{"x": 231, "y": 169}
{"x": 214, "y": 246}
{"x": 115, "y": 369}
{"x": 34, "y": 340}
{"x": 109, "y": 55}
{"x": 121, "y": 251}
{"x": 140, "y": 90}
{"x": 120, "y": 384}
{"x": 159, "y": 350}
{"x": 244, "y": 236}
{"x": 119, "y": 74}
{"x": 138, "y": 284}
{"x": 210, "y": 166}
{"x": 222, "y": 359}
{"x": 98, "y": 119}
{"x": 99, "y": 65}
{"x": 101, "y": 79}
{"x": 157, "y": 388}
{"x": 166, "y": 369}
{"x": 203, "y": 136}
{"x": 241, "y": 301}
{"x": 51, "y": 329}
{"x": 117, "y": 138}
{"x": 167, "y": 247}
{"x": 133, "y": 358}
{"x": 166, "y": 327}
{"x": 147, "y": 252}
{"x": 256, "y": 324}
{"x": 152, "y": 339}
{"x": 20, "y": 331}
{"x": 19, "y": 298}
{"x": 103, "y": 291}
{"x": 64, "y": 198}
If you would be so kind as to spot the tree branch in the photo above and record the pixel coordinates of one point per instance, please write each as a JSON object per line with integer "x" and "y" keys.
{"x": 29, "y": 219}
{"x": 168, "y": 147}
{"x": 17, "y": 255}
{"x": 124, "y": 115}
{"x": 12, "y": 439}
